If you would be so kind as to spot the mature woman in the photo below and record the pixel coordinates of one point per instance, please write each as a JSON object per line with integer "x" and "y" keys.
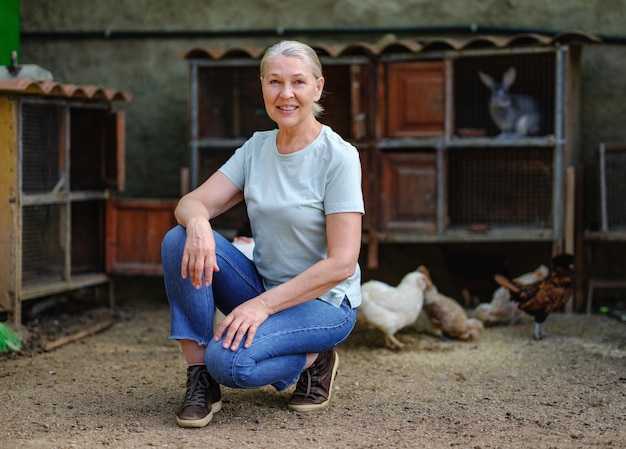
{"x": 288, "y": 309}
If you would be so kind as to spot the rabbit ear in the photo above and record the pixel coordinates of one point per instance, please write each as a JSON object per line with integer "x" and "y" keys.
{"x": 487, "y": 80}
{"x": 508, "y": 78}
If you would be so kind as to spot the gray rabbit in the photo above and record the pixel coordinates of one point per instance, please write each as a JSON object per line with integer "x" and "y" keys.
{"x": 517, "y": 115}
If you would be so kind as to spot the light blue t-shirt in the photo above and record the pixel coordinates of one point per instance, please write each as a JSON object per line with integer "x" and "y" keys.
{"x": 288, "y": 197}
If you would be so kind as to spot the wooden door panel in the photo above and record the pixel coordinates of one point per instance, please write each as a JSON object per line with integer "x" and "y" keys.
{"x": 409, "y": 190}
{"x": 415, "y": 99}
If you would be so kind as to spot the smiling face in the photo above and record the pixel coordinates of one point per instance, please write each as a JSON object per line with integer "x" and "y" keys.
{"x": 290, "y": 90}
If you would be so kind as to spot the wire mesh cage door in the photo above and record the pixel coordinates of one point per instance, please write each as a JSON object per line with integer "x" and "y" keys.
{"x": 501, "y": 187}
{"x": 612, "y": 167}
{"x": 44, "y": 192}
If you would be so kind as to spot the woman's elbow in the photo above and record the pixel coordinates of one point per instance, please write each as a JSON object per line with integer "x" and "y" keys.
{"x": 344, "y": 270}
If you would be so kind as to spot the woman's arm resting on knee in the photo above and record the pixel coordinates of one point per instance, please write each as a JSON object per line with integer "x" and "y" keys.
{"x": 343, "y": 233}
{"x": 194, "y": 210}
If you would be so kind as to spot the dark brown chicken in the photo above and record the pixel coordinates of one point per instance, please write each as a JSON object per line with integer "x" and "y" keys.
{"x": 543, "y": 297}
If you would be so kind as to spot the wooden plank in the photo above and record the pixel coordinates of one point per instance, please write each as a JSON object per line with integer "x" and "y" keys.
{"x": 46, "y": 287}
{"x": 579, "y": 241}
{"x": 8, "y": 189}
{"x": 185, "y": 184}
{"x": 79, "y": 335}
{"x": 569, "y": 215}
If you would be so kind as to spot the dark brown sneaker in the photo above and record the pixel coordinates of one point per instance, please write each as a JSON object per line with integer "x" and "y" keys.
{"x": 202, "y": 399}
{"x": 315, "y": 385}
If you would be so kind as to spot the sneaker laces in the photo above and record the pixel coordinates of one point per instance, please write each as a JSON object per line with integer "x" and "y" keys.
{"x": 197, "y": 386}
{"x": 308, "y": 379}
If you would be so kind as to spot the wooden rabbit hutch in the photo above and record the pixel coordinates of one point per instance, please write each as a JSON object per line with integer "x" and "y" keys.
{"x": 436, "y": 168}
{"x": 62, "y": 156}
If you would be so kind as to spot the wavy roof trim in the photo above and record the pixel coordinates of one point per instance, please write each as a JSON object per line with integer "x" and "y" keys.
{"x": 54, "y": 89}
{"x": 394, "y": 45}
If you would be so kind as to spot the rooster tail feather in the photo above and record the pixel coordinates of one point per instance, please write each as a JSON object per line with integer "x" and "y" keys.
{"x": 506, "y": 283}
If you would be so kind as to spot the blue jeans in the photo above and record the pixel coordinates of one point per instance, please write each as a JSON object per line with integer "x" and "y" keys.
{"x": 278, "y": 353}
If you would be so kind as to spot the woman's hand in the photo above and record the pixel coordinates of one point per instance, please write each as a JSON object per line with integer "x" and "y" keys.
{"x": 199, "y": 253}
{"x": 194, "y": 210}
{"x": 242, "y": 322}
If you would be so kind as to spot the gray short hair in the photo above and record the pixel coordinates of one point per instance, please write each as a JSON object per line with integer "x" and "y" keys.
{"x": 298, "y": 50}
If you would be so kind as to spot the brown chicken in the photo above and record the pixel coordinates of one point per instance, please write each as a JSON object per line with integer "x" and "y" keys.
{"x": 542, "y": 298}
{"x": 446, "y": 315}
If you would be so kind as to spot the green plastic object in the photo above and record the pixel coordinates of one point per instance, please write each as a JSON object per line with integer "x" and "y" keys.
{"x": 10, "y": 341}
{"x": 613, "y": 314}
{"x": 9, "y": 30}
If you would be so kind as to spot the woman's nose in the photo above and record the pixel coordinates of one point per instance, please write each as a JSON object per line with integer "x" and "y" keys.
{"x": 286, "y": 91}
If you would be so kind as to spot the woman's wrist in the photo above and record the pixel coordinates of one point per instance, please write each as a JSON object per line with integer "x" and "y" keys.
{"x": 198, "y": 220}
{"x": 265, "y": 306}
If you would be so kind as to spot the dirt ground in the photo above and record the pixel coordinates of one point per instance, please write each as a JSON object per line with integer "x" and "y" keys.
{"x": 120, "y": 389}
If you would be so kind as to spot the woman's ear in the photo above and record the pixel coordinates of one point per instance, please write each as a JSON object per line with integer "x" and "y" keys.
{"x": 319, "y": 88}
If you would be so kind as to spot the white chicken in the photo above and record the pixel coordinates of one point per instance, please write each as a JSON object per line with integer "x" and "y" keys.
{"x": 389, "y": 308}
{"x": 447, "y": 316}
{"x": 501, "y": 309}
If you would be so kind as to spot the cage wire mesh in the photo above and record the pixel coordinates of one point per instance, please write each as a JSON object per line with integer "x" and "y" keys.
{"x": 42, "y": 159}
{"x": 613, "y": 188}
{"x": 230, "y": 103}
{"x": 230, "y": 106}
{"x": 534, "y": 77}
{"x": 42, "y": 243}
{"x": 40, "y": 147}
{"x": 507, "y": 187}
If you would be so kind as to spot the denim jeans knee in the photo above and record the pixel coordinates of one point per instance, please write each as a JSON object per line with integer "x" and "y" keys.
{"x": 192, "y": 310}
{"x": 279, "y": 349}
{"x": 278, "y": 352}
